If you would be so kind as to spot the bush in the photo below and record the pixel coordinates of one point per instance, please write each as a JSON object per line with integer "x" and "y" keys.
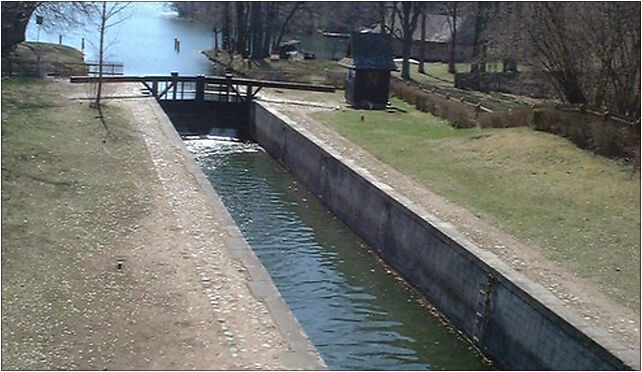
{"x": 459, "y": 114}
{"x": 605, "y": 137}
{"x": 520, "y": 117}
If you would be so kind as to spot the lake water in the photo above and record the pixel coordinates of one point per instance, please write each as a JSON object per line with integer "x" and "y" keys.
{"x": 144, "y": 41}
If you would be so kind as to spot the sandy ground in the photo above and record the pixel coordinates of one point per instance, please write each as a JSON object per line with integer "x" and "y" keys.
{"x": 180, "y": 300}
{"x": 578, "y": 294}
{"x": 247, "y": 336}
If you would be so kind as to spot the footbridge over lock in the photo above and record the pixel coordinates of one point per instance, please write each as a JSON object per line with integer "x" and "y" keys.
{"x": 202, "y": 102}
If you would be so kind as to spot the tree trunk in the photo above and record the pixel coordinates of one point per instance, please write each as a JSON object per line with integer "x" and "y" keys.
{"x": 215, "y": 39}
{"x": 241, "y": 28}
{"x": 453, "y": 41}
{"x": 381, "y": 7}
{"x": 422, "y": 48}
{"x": 393, "y": 21}
{"x": 408, "y": 24}
{"x": 226, "y": 27}
{"x": 269, "y": 27}
{"x": 103, "y": 20}
{"x": 256, "y": 42}
{"x": 475, "y": 66}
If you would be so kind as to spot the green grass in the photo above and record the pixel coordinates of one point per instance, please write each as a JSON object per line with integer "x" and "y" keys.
{"x": 579, "y": 208}
{"x": 70, "y": 194}
{"x": 436, "y": 73}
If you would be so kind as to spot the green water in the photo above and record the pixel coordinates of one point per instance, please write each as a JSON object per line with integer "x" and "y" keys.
{"x": 355, "y": 310}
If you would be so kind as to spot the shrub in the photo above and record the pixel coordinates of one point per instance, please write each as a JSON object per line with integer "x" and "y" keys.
{"x": 459, "y": 114}
{"x": 605, "y": 137}
{"x": 520, "y": 117}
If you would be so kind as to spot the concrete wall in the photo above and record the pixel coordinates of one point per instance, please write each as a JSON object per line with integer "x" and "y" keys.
{"x": 516, "y": 322}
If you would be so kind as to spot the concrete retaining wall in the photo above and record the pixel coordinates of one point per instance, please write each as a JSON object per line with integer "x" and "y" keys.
{"x": 516, "y": 322}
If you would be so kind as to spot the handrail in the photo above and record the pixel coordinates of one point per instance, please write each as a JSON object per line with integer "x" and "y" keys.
{"x": 209, "y": 79}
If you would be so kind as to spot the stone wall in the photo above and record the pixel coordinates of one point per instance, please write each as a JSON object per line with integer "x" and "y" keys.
{"x": 516, "y": 322}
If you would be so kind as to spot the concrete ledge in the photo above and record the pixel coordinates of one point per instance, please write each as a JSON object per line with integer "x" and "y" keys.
{"x": 515, "y": 321}
{"x": 302, "y": 354}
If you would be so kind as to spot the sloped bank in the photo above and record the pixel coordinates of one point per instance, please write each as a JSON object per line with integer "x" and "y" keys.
{"x": 516, "y": 322}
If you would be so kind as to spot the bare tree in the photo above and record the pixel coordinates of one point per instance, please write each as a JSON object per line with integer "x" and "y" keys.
{"x": 297, "y": 5}
{"x": 452, "y": 10}
{"x": 479, "y": 43}
{"x": 257, "y": 30}
{"x": 241, "y": 28}
{"x": 104, "y": 15}
{"x": 422, "y": 47}
{"x": 225, "y": 33}
{"x": 409, "y": 14}
{"x": 590, "y": 52}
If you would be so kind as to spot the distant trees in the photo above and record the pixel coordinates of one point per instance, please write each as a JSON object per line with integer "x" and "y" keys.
{"x": 589, "y": 51}
{"x": 248, "y": 28}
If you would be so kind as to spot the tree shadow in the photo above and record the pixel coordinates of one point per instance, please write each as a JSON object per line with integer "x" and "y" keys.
{"x": 101, "y": 117}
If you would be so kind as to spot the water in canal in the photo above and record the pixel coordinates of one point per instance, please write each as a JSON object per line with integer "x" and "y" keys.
{"x": 357, "y": 313}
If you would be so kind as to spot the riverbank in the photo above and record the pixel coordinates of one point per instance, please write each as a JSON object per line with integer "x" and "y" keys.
{"x": 426, "y": 168}
{"x": 311, "y": 71}
{"x": 113, "y": 256}
{"x": 36, "y": 58}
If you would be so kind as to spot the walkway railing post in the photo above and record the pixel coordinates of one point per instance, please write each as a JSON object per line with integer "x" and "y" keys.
{"x": 174, "y": 84}
{"x": 155, "y": 88}
{"x": 200, "y": 89}
{"x": 228, "y": 87}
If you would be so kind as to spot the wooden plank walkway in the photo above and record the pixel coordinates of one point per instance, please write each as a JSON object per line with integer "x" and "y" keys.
{"x": 202, "y": 88}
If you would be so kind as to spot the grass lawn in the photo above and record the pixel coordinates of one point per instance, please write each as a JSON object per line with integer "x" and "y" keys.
{"x": 436, "y": 73}
{"x": 68, "y": 202}
{"x": 53, "y": 57}
{"x": 579, "y": 208}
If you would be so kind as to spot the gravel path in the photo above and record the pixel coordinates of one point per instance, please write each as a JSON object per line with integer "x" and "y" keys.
{"x": 179, "y": 299}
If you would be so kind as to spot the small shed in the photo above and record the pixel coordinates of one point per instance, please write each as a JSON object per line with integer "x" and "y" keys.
{"x": 368, "y": 74}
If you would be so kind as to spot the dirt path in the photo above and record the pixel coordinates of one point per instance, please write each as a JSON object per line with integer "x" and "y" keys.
{"x": 578, "y": 294}
{"x": 249, "y": 333}
{"x": 179, "y": 300}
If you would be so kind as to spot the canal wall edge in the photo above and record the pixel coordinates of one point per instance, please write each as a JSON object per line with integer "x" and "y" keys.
{"x": 515, "y": 321}
{"x": 302, "y": 353}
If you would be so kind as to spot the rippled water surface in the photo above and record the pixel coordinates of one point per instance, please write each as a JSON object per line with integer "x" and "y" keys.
{"x": 354, "y": 309}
